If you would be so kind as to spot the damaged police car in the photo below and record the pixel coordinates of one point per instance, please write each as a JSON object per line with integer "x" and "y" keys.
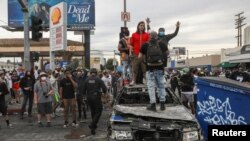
{"x": 130, "y": 120}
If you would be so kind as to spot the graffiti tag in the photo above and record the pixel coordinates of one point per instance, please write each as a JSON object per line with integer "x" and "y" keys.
{"x": 218, "y": 112}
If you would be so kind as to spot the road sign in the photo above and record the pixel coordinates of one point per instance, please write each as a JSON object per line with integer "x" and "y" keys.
{"x": 125, "y": 16}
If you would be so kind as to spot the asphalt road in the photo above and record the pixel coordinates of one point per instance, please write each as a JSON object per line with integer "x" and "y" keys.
{"x": 28, "y": 130}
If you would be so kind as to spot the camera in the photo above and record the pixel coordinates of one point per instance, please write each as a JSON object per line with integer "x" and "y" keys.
{"x": 45, "y": 94}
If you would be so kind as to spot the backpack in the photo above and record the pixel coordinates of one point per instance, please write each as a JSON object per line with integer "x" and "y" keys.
{"x": 154, "y": 56}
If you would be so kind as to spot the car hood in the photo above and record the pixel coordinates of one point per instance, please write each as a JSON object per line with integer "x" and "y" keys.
{"x": 177, "y": 112}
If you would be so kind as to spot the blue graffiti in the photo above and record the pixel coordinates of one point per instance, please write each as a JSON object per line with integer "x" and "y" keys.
{"x": 219, "y": 112}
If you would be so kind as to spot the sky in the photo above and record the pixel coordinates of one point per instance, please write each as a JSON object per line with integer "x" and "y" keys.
{"x": 206, "y": 25}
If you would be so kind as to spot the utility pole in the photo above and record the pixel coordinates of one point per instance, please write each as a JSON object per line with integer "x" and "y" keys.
{"x": 87, "y": 48}
{"x": 125, "y": 10}
{"x": 26, "y": 57}
{"x": 188, "y": 59}
{"x": 114, "y": 61}
{"x": 239, "y": 24}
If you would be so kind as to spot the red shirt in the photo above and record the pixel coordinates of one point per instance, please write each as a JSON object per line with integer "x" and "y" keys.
{"x": 137, "y": 40}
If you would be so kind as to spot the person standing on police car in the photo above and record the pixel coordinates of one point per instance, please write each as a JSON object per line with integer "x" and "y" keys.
{"x": 94, "y": 87}
{"x": 165, "y": 38}
{"x": 125, "y": 49}
{"x": 136, "y": 41}
{"x": 27, "y": 86}
{"x": 154, "y": 70}
{"x": 67, "y": 92}
{"x": 43, "y": 97}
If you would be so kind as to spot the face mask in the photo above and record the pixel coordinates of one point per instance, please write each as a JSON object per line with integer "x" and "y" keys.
{"x": 161, "y": 33}
{"x": 43, "y": 78}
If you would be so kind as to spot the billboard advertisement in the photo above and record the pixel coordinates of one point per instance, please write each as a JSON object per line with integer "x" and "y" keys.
{"x": 182, "y": 50}
{"x": 80, "y": 13}
{"x": 58, "y": 28}
{"x": 15, "y": 14}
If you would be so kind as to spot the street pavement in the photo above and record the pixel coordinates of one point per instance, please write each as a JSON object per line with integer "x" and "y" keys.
{"x": 27, "y": 129}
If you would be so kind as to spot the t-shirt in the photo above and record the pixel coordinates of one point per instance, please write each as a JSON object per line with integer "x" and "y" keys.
{"x": 68, "y": 90}
{"x": 40, "y": 89}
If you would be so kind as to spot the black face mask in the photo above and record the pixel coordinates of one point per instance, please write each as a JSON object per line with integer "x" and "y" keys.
{"x": 56, "y": 75}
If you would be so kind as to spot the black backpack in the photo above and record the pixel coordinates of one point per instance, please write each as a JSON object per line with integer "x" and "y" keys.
{"x": 154, "y": 55}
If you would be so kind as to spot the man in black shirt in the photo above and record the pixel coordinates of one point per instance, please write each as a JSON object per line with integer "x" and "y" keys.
{"x": 67, "y": 93}
{"x": 94, "y": 87}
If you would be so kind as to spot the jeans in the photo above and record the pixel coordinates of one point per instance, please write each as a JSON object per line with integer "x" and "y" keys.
{"x": 155, "y": 79}
{"x": 27, "y": 96}
{"x": 125, "y": 69}
{"x": 69, "y": 105}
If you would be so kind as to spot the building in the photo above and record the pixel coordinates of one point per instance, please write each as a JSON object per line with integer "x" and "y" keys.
{"x": 238, "y": 54}
{"x": 209, "y": 62}
{"x": 8, "y": 66}
{"x": 97, "y": 59}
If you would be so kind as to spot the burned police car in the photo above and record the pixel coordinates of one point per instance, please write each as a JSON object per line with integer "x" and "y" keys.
{"x": 130, "y": 120}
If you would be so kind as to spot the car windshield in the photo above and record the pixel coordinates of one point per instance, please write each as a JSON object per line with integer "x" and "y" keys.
{"x": 138, "y": 95}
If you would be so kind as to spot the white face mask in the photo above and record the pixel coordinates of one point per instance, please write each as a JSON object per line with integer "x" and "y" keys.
{"x": 43, "y": 78}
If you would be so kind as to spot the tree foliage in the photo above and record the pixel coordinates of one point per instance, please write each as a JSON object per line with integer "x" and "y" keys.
{"x": 73, "y": 64}
{"x": 109, "y": 64}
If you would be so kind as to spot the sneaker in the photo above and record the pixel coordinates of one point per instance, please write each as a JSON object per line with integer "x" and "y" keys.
{"x": 74, "y": 124}
{"x": 144, "y": 81}
{"x": 93, "y": 132}
{"x": 151, "y": 107}
{"x": 40, "y": 124}
{"x": 132, "y": 83}
{"x": 163, "y": 106}
{"x": 48, "y": 124}
{"x": 10, "y": 125}
{"x": 65, "y": 124}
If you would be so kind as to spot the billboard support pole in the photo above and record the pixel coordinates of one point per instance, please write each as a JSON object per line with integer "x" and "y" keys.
{"x": 26, "y": 62}
{"x": 87, "y": 48}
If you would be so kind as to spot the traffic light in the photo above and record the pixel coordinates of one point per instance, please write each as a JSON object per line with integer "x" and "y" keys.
{"x": 36, "y": 28}
{"x": 124, "y": 32}
{"x": 34, "y": 56}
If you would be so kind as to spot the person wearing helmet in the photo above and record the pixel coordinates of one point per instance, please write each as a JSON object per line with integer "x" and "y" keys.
{"x": 94, "y": 87}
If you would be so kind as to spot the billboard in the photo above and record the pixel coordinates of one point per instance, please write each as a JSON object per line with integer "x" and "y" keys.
{"x": 182, "y": 50}
{"x": 80, "y": 13}
{"x": 15, "y": 14}
{"x": 58, "y": 29}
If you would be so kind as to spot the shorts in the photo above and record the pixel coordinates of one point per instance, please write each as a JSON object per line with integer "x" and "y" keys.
{"x": 16, "y": 86}
{"x": 187, "y": 97}
{"x": 3, "y": 109}
{"x": 44, "y": 108}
